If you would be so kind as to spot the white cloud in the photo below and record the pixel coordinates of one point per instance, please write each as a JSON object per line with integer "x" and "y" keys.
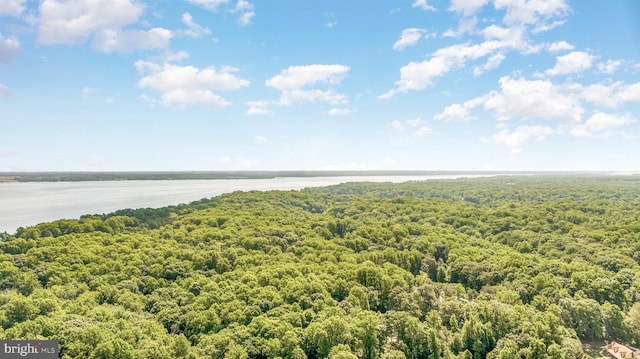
{"x": 560, "y": 46}
{"x": 175, "y": 56}
{"x": 258, "y": 108}
{"x": 453, "y": 112}
{"x": 293, "y": 81}
{"x": 420, "y": 75}
{"x": 601, "y": 94}
{"x": 243, "y": 8}
{"x": 409, "y": 37}
{"x": 516, "y": 139}
{"x": 338, "y": 111}
{"x": 542, "y": 27}
{"x": 415, "y": 125}
{"x": 195, "y": 30}
{"x": 9, "y": 49}
{"x": 601, "y": 124}
{"x": 609, "y": 67}
{"x": 423, "y": 131}
{"x": 423, "y": 5}
{"x": 492, "y": 63}
{"x": 528, "y": 99}
{"x": 575, "y": 61}
{"x": 467, "y": 7}
{"x": 127, "y": 41}
{"x": 630, "y": 93}
{"x": 12, "y": 7}
{"x": 295, "y": 77}
{"x": 209, "y": 4}
{"x": 508, "y": 37}
{"x": 260, "y": 139}
{"x": 245, "y": 18}
{"x": 76, "y": 21}
{"x": 459, "y": 113}
{"x": 5, "y": 91}
{"x": 183, "y": 85}
{"x": 449, "y": 33}
{"x": 531, "y": 11}
{"x": 609, "y": 95}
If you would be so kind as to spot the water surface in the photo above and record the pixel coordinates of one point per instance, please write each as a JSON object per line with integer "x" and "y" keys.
{"x": 28, "y": 203}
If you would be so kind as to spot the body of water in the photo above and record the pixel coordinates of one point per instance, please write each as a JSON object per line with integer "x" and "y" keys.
{"x": 28, "y": 203}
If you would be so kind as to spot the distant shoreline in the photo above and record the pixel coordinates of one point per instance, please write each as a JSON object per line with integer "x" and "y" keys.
{"x": 12, "y": 177}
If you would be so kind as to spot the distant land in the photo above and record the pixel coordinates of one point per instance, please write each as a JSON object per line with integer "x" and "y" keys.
{"x": 209, "y": 175}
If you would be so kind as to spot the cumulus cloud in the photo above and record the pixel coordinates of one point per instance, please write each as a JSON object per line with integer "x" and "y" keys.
{"x": 520, "y": 99}
{"x": 409, "y": 37}
{"x": 507, "y": 37}
{"x": 520, "y": 19}
{"x": 610, "y": 94}
{"x": 294, "y": 83}
{"x": 184, "y": 85}
{"x": 529, "y": 99}
{"x": 422, "y": 4}
{"x": 575, "y": 61}
{"x": 459, "y": 113}
{"x": 12, "y": 7}
{"x": 609, "y": 67}
{"x": 560, "y": 46}
{"x": 467, "y": 7}
{"x": 601, "y": 124}
{"x": 515, "y": 139}
{"x": 9, "y": 49}
{"x": 76, "y": 21}
{"x": 532, "y": 12}
{"x": 258, "y": 108}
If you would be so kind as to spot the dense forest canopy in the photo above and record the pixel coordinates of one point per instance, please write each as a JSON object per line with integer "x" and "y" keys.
{"x": 504, "y": 267}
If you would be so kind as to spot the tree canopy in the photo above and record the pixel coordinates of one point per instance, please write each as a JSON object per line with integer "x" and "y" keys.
{"x": 503, "y": 267}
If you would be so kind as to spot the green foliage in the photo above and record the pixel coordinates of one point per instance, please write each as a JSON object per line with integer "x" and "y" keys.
{"x": 500, "y": 268}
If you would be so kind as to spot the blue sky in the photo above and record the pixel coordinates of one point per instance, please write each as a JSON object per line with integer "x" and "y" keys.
{"x": 320, "y": 85}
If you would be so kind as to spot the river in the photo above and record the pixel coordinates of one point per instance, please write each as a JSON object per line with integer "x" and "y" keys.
{"x": 24, "y": 204}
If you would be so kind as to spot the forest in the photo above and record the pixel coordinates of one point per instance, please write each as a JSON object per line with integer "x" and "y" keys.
{"x": 503, "y": 267}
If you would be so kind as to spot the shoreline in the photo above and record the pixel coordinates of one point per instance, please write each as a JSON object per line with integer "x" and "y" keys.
{"x": 107, "y": 176}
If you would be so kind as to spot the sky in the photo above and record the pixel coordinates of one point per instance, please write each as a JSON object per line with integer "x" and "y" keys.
{"x": 135, "y": 85}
